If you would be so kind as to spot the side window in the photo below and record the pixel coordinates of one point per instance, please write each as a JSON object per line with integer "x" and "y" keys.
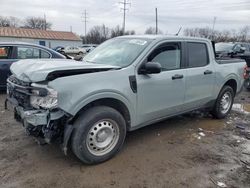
{"x": 31, "y": 53}
{"x": 197, "y": 54}
{"x": 168, "y": 55}
{"x": 246, "y": 46}
{"x": 5, "y": 52}
{"x": 237, "y": 47}
{"x": 27, "y": 53}
{"x": 44, "y": 54}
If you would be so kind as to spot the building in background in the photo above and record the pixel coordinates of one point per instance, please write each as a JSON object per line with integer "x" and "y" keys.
{"x": 47, "y": 38}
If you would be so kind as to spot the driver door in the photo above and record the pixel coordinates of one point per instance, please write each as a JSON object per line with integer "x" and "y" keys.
{"x": 161, "y": 95}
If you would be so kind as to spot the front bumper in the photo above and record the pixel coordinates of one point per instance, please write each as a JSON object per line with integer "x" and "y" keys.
{"x": 47, "y": 125}
{"x": 38, "y": 117}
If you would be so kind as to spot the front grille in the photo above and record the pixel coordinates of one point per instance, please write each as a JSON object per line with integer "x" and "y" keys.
{"x": 20, "y": 91}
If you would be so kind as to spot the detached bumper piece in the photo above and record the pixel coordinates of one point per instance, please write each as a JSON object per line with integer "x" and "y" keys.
{"x": 42, "y": 123}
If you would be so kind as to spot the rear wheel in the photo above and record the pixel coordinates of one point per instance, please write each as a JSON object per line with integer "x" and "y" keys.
{"x": 247, "y": 84}
{"x": 98, "y": 135}
{"x": 223, "y": 103}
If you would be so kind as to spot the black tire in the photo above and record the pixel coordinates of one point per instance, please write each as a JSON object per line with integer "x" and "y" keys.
{"x": 80, "y": 142}
{"x": 247, "y": 84}
{"x": 217, "y": 111}
{"x": 80, "y": 53}
{"x": 63, "y": 52}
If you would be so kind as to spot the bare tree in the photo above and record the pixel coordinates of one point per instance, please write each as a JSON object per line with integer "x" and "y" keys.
{"x": 152, "y": 31}
{"x": 117, "y": 31}
{"x": 131, "y": 32}
{"x": 14, "y": 22}
{"x": 243, "y": 33}
{"x": 97, "y": 34}
{"x": 199, "y": 32}
{"x": 4, "y": 22}
{"x": 37, "y": 23}
{"x": 220, "y": 36}
{"x": 9, "y": 21}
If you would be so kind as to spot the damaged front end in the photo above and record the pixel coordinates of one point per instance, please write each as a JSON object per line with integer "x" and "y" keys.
{"x": 36, "y": 106}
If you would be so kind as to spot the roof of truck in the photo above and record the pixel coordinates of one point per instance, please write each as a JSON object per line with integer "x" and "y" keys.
{"x": 165, "y": 37}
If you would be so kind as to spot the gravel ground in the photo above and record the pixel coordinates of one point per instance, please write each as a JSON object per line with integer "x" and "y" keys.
{"x": 192, "y": 150}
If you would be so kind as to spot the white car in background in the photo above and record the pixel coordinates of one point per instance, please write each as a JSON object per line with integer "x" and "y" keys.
{"x": 72, "y": 50}
{"x": 88, "y": 47}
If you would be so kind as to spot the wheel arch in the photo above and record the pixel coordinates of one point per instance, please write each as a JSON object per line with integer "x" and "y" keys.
{"x": 115, "y": 103}
{"x": 232, "y": 83}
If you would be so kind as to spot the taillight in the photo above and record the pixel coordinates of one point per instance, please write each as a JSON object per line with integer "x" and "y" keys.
{"x": 245, "y": 74}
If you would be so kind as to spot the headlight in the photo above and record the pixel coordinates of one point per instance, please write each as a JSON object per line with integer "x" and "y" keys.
{"x": 48, "y": 101}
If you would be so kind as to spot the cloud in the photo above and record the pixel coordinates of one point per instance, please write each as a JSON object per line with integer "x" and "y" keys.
{"x": 230, "y": 14}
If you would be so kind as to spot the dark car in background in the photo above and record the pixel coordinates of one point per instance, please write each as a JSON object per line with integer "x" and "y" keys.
{"x": 13, "y": 51}
{"x": 228, "y": 49}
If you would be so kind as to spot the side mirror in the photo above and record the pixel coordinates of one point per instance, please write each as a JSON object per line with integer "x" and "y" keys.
{"x": 150, "y": 68}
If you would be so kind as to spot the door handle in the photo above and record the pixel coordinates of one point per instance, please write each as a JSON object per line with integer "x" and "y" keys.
{"x": 177, "y": 76}
{"x": 208, "y": 72}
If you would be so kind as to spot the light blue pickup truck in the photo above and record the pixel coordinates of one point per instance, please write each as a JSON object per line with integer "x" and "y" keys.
{"x": 124, "y": 84}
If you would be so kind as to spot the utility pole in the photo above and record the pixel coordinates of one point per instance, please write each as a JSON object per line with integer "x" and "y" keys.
{"x": 156, "y": 21}
{"x": 124, "y": 9}
{"x": 84, "y": 16}
{"x": 45, "y": 24}
{"x": 212, "y": 37}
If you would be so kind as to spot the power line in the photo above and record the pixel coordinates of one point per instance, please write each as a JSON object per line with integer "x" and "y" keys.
{"x": 124, "y": 9}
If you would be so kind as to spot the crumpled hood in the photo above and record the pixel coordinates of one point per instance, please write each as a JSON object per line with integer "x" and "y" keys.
{"x": 30, "y": 70}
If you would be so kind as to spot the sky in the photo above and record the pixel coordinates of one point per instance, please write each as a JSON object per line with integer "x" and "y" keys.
{"x": 172, "y": 14}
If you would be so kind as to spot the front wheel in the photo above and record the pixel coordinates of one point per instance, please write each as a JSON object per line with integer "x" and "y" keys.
{"x": 98, "y": 135}
{"x": 223, "y": 103}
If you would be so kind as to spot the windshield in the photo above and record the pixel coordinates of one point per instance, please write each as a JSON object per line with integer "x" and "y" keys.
{"x": 118, "y": 52}
{"x": 223, "y": 47}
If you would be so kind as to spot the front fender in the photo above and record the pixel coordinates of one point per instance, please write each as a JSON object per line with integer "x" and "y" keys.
{"x": 77, "y": 105}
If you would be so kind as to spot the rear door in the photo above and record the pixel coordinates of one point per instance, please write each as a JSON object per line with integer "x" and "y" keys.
{"x": 6, "y": 59}
{"x": 200, "y": 75}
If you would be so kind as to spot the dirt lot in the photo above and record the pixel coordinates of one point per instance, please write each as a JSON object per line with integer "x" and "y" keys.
{"x": 192, "y": 150}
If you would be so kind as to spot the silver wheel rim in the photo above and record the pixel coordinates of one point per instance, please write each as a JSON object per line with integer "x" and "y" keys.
{"x": 102, "y": 137}
{"x": 225, "y": 103}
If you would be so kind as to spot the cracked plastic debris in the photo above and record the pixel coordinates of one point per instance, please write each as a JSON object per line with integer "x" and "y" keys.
{"x": 221, "y": 184}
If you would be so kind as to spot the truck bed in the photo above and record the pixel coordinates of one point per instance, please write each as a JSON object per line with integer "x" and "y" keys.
{"x": 229, "y": 60}
{"x": 236, "y": 59}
